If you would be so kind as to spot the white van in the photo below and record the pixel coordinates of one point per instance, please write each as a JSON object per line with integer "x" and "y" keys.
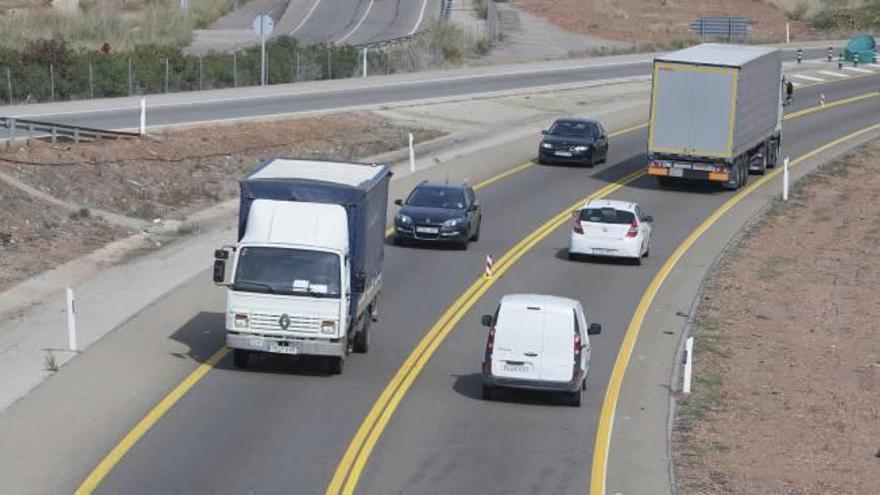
{"x": 538, "y": 342}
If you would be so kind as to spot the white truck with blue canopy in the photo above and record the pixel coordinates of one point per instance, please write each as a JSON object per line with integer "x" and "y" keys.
{"x": 305, "y": 275}
{"x": 716, "y": 114}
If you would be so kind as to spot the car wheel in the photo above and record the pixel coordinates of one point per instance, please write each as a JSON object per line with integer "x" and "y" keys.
{"x": 335, "y": 364}
{"x": 487, "y": 392}
{"x": 361, "y": 342}
{"x": 584, "y": 384}
{"x": 476, "y": 236}
{"x": 648, "y": 250}
{"x": 240, "y": 358}
{"x": 574, "y": 398}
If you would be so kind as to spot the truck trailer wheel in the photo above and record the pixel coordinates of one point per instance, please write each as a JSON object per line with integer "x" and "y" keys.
{"x": 240, "y": 358}
{"x": 361, "y": 341}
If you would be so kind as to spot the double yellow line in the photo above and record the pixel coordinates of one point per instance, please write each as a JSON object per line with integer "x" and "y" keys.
{"x": 348, "y": 472}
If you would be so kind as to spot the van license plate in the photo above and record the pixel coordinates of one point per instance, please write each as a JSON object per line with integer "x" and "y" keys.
{"x": 515, "y": 369}
{"x": 283, "y": 349}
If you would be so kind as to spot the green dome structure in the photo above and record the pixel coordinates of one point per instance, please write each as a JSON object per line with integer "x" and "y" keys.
{"x": 863, "y": 45}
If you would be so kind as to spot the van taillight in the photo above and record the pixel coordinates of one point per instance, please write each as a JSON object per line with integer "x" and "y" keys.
{"x": 576, "y": 226}
{"x": 490, "y": 344}
{"x": 577, "y": 345}
{"x": 633, "y": 229}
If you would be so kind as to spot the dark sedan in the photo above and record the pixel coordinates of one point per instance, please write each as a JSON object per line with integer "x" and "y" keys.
{"x": 439, "y": 212}
{"x": 578, "y": 141}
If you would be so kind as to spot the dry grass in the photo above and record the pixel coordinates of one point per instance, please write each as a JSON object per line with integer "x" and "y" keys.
{"x": 123, "y": 24}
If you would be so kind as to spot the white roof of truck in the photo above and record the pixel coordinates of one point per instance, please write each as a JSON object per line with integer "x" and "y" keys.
{"x": 718, "y": 54}
{"x": 307, "y": 224}
{"x": 349, "y": 174}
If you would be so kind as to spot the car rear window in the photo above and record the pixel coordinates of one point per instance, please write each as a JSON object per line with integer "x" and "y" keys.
{"x": 606, "y": 215}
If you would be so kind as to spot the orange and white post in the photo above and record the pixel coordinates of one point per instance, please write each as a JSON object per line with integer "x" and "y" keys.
{"x": 488, "y": 271}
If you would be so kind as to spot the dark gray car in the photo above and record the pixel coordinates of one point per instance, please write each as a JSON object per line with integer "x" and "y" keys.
{"x": 439, "y": 213}
{"x": 577, "y": 141}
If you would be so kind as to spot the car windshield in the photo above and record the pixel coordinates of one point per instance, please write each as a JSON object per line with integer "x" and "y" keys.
{"x": 437, "y": 197}
{"x": 287, "y": 271}
{"x": 571, "y": 128}
{"x": 606, "y": 215}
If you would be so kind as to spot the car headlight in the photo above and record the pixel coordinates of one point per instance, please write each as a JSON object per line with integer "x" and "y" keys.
{"x": 404, "y": 219}
{"x": 547, "y": 146}
{"x": 240, "y": 320}
{"x": 453, "y": 222}
{"x": 581, "y": 149}
{"x": 328, "y": 327}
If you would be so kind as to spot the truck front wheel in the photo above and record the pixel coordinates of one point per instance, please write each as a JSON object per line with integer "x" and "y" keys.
{"x": 240, "y": 358}
{"x": 361, "y": 342}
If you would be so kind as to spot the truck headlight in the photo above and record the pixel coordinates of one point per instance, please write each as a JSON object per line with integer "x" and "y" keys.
{"x": 240, "y": 320}
{"x": 547, "y": 146}
{"x": 328, "y": 327}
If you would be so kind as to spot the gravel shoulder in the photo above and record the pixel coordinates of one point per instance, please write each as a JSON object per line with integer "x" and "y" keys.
{"x": 169, "y": 175}
{"x": 787, "y": 359}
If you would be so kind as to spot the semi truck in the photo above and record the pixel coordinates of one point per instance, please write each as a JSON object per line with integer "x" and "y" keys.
{"x": 305, "y": 275}
{"x": 716, "y": 114}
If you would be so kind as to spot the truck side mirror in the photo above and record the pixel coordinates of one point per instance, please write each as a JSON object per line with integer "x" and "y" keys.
{"x": 359, "y": 282}
{"x": 219, "y": 270}
{"x": 594, "y": 329}
{"x": 486, "y": 320}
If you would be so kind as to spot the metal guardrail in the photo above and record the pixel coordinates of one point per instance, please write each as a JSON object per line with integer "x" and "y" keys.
{"x": 729, "y": 27}
{"x": 37, "y": 128}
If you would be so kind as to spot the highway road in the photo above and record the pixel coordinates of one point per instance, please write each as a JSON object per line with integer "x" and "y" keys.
{"x": 356, "y": 22}
{"x": 244, "y": 103}
{"x": 282, "y": 427}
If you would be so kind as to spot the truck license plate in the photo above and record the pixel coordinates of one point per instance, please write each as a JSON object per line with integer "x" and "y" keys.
{"x": 676, "y": 172}
{"x": 284, "y": 349}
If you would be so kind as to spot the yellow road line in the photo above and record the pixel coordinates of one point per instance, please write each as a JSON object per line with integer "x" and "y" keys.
{"x": 107, "y": 464}
{"x": 609, "y": 405}
{"x": 354, "y": 460}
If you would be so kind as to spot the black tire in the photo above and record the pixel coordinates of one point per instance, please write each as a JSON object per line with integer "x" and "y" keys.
{"x": 574, "y": 398}
{"x": 335, "y": 365}
{"x": 736, "y": 174}
{"x": 648, "y": 250}
{"x": 487, "y": 392}
{"x": 361, "y": 342}
{"x": 476, "y": 236}
{"x": 584, "y": 384}
{"x": 240, "y": 358}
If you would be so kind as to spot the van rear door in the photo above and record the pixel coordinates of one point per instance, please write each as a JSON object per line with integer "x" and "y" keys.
{"x": 557, "y": 358}
{"x": 518, "y": 341}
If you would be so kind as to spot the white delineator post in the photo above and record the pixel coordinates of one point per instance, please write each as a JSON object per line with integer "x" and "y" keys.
{"x": 71, "y": 320}
{"x": 488, "y": 270}
{"x": 787, "y": 33}
{"x": 365, "y": 62}
{"x": 821, "y": 99}
{"x": 143, "y": 116}
{"x": 688, "y": 364}
{"x": 412, "y": 155}
{"x": 785, "y": 179}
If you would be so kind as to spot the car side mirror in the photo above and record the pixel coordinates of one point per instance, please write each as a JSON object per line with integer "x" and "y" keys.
{"x": 545, "y": 132}
{"x": 473, "y": 207}
{"x": 219, "y": 271}
{"x": 649, "y": 219}
{"x": 486, "y": 320}
{"x": 359, "y": 282}
{"x": 398, "y": 202}
{"x": 594, "y": 329}
{"x": 221, "y": 254}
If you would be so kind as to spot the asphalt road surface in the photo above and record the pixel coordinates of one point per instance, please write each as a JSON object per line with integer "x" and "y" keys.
{"x": 125, "y": 113}
{"x": 282, "y": 425}
{"x": 356, "y": 22}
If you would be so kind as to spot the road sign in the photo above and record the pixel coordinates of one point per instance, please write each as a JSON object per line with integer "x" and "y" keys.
{"x": 263, "y": 25}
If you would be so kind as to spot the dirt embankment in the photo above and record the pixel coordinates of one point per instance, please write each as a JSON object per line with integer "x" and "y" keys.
{"x": 661, "y": 23}
{"x": 168, "y": 175}
{"x": 787, "y": 364}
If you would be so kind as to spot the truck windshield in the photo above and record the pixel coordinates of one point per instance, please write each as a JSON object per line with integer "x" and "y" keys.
{"x": 287, "y": 271}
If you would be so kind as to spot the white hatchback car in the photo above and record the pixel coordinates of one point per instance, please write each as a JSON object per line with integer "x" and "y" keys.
{"x": 605, "y": 227}
{"x": 538, "y": 342}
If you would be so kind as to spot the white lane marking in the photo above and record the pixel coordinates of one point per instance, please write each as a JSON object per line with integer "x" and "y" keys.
{"x": 421, "y": 16}
{"x": 304, "y": 19}
{"x": 835, "y": 74}
{"x": 297, "y": 92}
{"x": 796, "y": 84}
{"x": 876, "y": 66}
{"x": 856, "y": 69}
{"x": 808, "y": 78}
{"x": 358, "y": 25}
